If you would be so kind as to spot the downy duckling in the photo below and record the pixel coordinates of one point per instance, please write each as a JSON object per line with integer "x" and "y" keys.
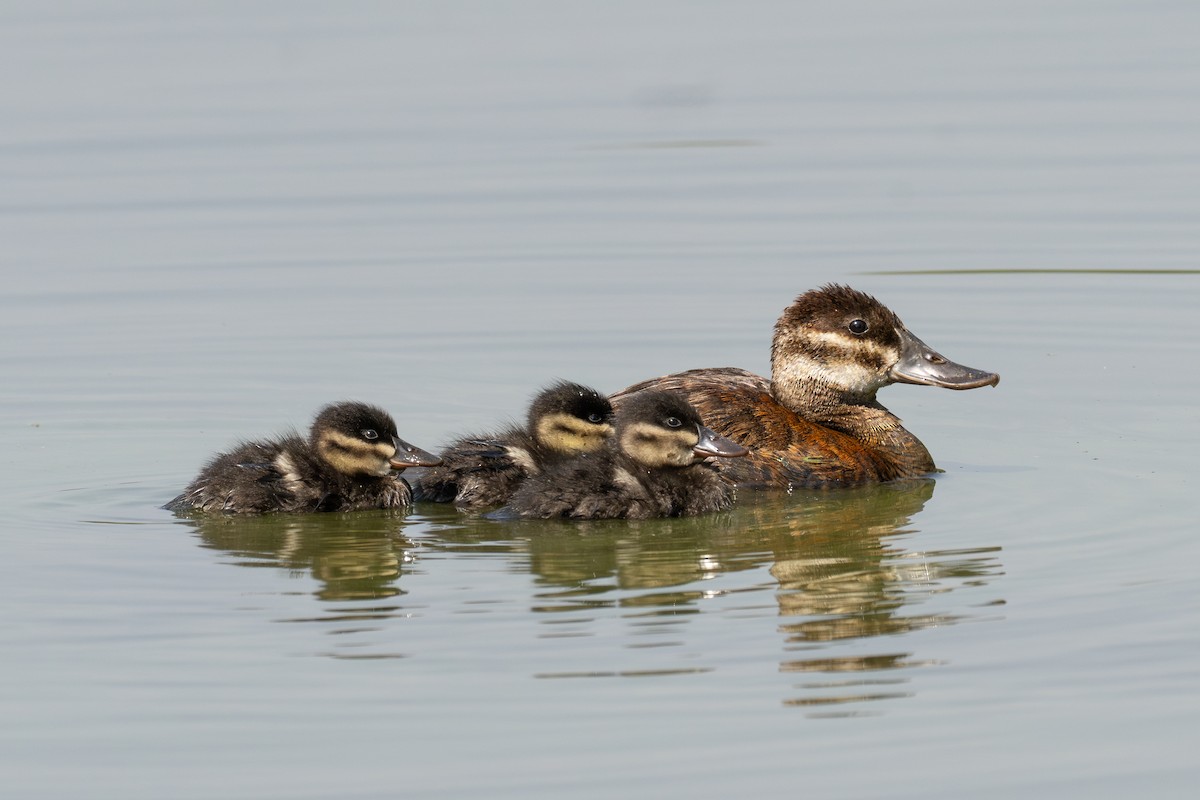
{"x": 350, "y": 462}
{"x": 816, "y": 423}
{"x": 653, "y": 467}
{"x": 564, "y": 420}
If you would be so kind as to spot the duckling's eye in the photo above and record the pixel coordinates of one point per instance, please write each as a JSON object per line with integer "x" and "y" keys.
{"x": 595, "y": 419}
{"x": 858, "y": 326}
{"x": 369, "y": 434}
{"x": 673, "y": 422}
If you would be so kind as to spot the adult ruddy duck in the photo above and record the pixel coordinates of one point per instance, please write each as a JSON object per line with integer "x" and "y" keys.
{"x": 816, "y": 423}
{"x": 350, "y": 461}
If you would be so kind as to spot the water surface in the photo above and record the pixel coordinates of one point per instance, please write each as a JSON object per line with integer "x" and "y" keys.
{"x": 216, "y": 219}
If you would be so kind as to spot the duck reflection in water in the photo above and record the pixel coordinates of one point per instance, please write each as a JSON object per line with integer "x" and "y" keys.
{"x": 840, "y": 576}
{"x": 352, "y": 558}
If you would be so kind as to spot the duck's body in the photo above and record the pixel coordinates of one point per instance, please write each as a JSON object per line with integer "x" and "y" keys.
{"x": 816, "y": 423}
{"x": 350, "y": 462}
{"x": 478, "y": 472}
{"x": 653, "y": 467}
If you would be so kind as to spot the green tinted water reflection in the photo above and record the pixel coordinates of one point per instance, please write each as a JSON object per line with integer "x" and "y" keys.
{"x": 351, "y": 556}
{"x": 832, "y": 568}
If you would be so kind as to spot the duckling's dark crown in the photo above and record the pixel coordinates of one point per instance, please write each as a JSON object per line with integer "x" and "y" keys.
{"x": 570, "y": 398}
{"x": 655, "y": 407}
{"x": 351, "y": 417}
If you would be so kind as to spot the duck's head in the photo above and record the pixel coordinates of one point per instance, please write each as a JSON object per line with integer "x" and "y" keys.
{"x": 361, "y": 439}
{"x": 850, "y": 342}
{"x": 660, "y": 429}
{"x": 571, "y": 419}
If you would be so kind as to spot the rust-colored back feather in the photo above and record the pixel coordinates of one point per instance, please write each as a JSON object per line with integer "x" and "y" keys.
{"x": 786, "y": 450}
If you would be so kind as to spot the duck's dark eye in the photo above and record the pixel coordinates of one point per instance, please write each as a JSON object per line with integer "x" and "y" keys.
{"x": 673, "y": 422}
{"x": 595, "y": 419}
{"x": 858, "y": 326}
{"x": 369, "y": 434}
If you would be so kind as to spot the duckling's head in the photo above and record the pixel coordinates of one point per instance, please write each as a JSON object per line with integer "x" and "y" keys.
{"x": 661, "y": 429}
{"x": 359, "y": 439}
{"x": 851, "y": 343}
{"x": 569, "y": 418}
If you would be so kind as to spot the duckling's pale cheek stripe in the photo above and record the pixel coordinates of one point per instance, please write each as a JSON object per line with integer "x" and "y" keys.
{"x": 568, "y": 434}
{"x": 654, "y": 447}
{"x": 639, "y": 445}
{"x": 347, "y": 443}
{"x": 350, "y": 455}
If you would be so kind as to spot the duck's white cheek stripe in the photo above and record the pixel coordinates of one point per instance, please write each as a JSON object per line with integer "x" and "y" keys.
{"x": 850, "y": 376}
{"x": 852, "y": 344}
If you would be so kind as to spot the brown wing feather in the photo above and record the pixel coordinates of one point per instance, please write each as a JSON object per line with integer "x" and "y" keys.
{"x": 786, "y": 450}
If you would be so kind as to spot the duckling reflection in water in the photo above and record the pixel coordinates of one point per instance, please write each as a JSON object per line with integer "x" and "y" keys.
{"x": 350, "y": 461}
{"x": 816, "y": 423}
{"x": 564, "y": 420}
{"x": 654, "y": 467}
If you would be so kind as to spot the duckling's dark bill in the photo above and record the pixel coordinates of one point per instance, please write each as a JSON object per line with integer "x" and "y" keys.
{"x": 408, "y": 455}
{"x": 713, "y": 444}
{"x": 921, "y": 364}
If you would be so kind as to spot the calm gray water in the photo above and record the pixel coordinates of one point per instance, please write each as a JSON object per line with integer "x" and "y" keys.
{"x": 217, "y": 217}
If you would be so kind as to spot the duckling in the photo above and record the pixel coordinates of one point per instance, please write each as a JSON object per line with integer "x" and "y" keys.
{"x": 653, "y": 467}
{"x": 816, "y": 423}
{"x": 564, "y": 420}
{"x": 349, "y": 462}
